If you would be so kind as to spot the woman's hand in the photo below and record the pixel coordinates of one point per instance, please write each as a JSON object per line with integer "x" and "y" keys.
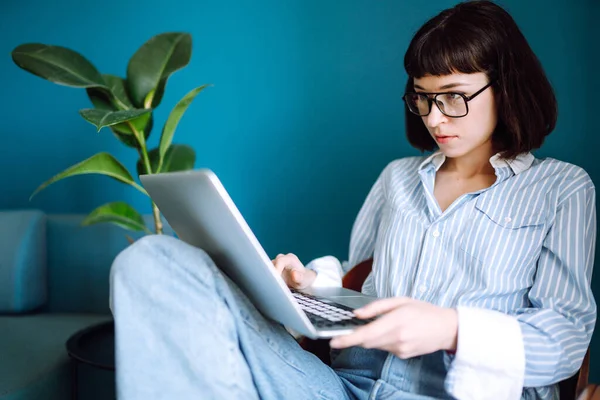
{"x": 293, "y": 272}
{"x": 406, "y": 328}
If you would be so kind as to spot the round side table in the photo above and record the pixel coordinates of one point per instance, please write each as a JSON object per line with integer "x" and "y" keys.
{"x": 94, "y": 346}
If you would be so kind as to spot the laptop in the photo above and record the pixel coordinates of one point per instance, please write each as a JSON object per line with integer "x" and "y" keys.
{"x": 201, "y": 213}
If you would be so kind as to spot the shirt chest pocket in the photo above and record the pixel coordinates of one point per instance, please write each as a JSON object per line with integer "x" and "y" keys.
{"x": 503, "y": 234}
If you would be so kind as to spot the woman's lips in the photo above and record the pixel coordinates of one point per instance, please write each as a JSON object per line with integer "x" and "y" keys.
{"x": 444, "y": 139}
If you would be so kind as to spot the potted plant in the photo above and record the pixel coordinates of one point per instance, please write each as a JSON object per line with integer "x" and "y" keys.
{"x": 124, "y": 105}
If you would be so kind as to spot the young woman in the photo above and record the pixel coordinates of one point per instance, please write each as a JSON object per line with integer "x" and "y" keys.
{"x": 482, "y": 256}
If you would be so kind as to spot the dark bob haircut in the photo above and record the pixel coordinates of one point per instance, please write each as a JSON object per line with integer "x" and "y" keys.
{"x": 480, "y": 36}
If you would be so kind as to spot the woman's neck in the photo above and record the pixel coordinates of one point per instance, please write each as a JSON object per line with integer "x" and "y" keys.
{"x": 470, "y": 165}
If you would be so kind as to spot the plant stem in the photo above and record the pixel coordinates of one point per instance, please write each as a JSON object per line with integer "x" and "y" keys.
{"x": 155, "y": 211}
{"x": 157, "y": 220}
{"x": 144, "y": 154}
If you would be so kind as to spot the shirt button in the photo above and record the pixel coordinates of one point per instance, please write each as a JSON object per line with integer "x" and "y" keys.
{"x": 422, "y": 288}
{"x": 507, "y": 219}
{"x": 435, "y": 233}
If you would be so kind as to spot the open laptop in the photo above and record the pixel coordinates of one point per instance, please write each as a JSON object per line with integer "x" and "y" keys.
{"x": 201, "y": 213}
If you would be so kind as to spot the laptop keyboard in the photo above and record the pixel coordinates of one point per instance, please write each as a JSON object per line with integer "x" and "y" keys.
{"x": 326, "y": 315}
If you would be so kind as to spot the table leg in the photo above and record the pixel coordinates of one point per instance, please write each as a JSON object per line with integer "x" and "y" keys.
{"x": 74, "y": 380}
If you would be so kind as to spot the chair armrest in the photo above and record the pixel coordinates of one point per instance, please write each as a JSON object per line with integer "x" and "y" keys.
{"x": 357, "y": 275}
{"x": 591, "y": 392}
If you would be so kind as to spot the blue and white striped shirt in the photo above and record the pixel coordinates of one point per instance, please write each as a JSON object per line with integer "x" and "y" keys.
{"x": 523, "y": 247}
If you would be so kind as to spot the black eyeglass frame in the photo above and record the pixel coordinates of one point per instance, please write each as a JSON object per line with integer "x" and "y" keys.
{"x": 435, "y": 95}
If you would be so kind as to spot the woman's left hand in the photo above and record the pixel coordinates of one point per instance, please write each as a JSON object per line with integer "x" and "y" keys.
{"x": 406, "y": 328}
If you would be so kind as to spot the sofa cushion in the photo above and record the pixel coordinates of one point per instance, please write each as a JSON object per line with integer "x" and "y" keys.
{"x": 34, "y": 363}
{"x": 79, "y": 261}
{"x": 23, "y": 285}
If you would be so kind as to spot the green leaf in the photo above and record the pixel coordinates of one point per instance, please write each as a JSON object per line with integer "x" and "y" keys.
{"x": 117, "y": 88}
{"x": 58, "y": 64}
{"x": 179, "y": 157}
{"x": 118, "y": 213}
{"x": 101, "y": 163}
{"x": 102, "y": 118}
{"x": 122, "y": 131}
{"x": 173, "y": 120}
{"x": 100, "y": 100}
{"x": 153, "y": 63}
{"x": 124, "y": 134}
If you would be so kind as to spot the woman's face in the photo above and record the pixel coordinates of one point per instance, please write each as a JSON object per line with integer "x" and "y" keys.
{"x": 458, "y": 137}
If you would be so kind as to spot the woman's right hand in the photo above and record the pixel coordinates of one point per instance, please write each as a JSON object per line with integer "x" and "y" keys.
{"x": 293, "y": 272}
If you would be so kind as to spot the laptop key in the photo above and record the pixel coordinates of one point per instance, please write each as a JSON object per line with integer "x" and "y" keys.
{"x": 321, "y": 322}
{"x": 324, "y": 315}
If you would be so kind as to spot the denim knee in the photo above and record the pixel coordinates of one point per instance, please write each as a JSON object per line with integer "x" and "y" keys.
{"x": 131, "y": 262}
{"x": 161, "y": 256}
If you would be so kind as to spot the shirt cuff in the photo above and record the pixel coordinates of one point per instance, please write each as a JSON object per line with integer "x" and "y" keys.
{"x": 490, "y": 357}
{"x": 329, "y": 271}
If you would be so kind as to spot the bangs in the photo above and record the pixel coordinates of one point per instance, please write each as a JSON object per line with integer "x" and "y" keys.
{"x": 444, "y": 50}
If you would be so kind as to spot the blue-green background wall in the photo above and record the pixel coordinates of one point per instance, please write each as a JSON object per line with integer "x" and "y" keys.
{"x": 304, "y": 113}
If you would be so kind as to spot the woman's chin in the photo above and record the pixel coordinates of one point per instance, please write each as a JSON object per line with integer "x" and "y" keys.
{"x": 452, "y": 152}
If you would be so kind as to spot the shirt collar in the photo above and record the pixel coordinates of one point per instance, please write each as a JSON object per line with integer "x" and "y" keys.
{"x": 519, "y": 164}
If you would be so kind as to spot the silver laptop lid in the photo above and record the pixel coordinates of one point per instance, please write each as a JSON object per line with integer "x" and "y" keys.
{"x": 201, "y": 213}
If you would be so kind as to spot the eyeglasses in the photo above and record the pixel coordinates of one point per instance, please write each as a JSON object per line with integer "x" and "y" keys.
{"x": 451, "y": 104}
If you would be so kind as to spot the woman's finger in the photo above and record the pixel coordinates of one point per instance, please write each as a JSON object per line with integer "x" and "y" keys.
{"x": 390, "y": 328}
{"x": 297, "y": 276}
{"x": 381, "y": 306}
{"x": 366, "y": 333}
{"x": 279, "y": 264}
{"x": 289, "y": 276}
{"x": 291, "y": 270}
{"x": 389, "y": 338}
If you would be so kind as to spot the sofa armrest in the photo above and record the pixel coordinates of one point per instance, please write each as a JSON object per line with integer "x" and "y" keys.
{"x": 23, "y": 267}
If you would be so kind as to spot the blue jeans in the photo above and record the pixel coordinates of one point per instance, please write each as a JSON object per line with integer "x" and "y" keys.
{"x": 183, "y": 330}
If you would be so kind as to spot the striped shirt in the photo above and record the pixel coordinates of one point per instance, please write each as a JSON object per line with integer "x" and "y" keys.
{"x": 523, "y": 247}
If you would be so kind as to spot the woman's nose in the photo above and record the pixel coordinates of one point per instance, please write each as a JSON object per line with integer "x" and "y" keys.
{"x": 435, "y": 117}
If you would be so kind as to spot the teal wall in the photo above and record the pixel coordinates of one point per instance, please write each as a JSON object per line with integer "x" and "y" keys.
{"x": 304, "y": 113}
